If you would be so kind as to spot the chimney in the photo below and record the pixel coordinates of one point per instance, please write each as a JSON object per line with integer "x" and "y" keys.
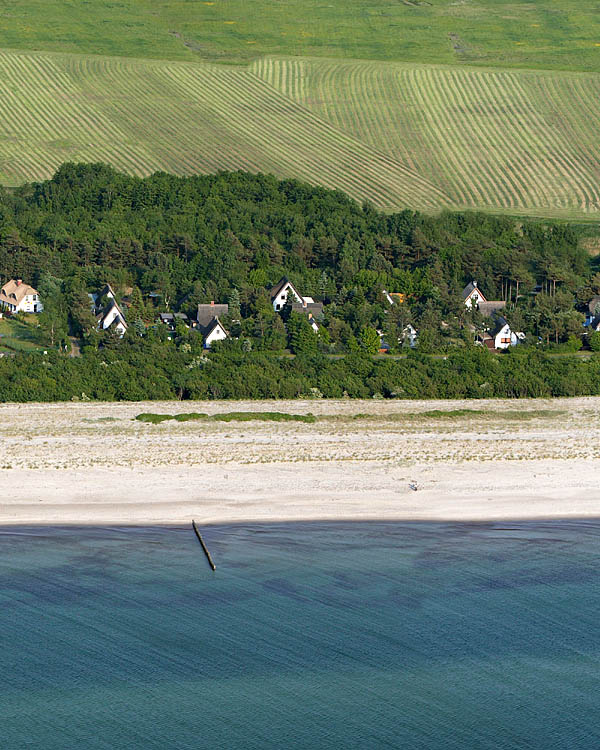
{"x": 19, "y": 282}
{"x": 212, "y": 302}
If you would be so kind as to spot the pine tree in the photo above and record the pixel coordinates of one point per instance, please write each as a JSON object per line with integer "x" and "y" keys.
{"x": 234, "y": 305}
{"x": 137, "y": 309}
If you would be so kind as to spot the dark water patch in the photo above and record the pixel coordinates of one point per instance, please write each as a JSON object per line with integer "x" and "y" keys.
{"x": 325, "y": 635}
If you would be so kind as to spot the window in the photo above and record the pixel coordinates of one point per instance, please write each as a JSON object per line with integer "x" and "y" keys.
{"x": 505, "y": 341}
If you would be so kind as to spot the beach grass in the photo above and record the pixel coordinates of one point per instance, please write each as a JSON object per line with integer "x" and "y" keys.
{"x": 511, "y": 415}
{"x": 234, "y": 416}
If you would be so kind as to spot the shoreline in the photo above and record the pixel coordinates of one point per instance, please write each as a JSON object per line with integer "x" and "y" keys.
{"x": 474, "y": 462}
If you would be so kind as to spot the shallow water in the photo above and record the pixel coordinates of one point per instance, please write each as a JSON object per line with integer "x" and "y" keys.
{"x": 357, "y": 635}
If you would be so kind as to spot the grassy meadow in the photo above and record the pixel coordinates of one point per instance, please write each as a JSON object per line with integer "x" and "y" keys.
{"x": 144, "y": 116}
{"x": 19, "y": 336}
{"x": 466, "y": 104}
{"x": 501, "y": 140}
{"x": 549, "y": 34}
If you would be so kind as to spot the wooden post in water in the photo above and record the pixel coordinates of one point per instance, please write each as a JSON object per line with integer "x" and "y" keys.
{"x": 204, "y": 547}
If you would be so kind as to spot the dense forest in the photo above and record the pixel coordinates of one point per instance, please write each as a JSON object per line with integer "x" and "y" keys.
{"x": 167, "y": 243}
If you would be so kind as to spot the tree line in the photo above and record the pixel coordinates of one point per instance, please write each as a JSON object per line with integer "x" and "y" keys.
{"x": 168, "y": 243}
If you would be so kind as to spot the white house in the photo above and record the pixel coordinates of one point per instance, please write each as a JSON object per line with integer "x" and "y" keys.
{"x": 472, "y": 295}
{"x": 212, "y": 332}
{"x": 502, "y": 334}
{"x": 112, "y": 316}
{"x": 109, "y": 314}
{"x": 279, "y": 295}
{"x": 15, "y": 296}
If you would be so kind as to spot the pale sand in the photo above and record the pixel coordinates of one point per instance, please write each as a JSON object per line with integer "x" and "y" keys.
{"x": 92, "y": 464}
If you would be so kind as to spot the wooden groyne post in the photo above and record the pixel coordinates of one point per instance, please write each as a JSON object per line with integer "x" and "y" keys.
{"x": 204, "y": 547}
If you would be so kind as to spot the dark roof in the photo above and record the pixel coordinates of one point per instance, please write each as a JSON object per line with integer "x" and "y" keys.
{"x": 595, "y": 323}
{"x": 499, "y": 323}
{"x": 210, "y": 326}
{"x": 471, "y": 286}
{"x": 209, "y": 311}
{"x": 316, "y": 308}
{"x": 101, "y": 314}
{"x": 490, "y": 307}
{"x": 106, "y": 289}
{"x": 278, "y": 287}
{"x": 166, "y": 316}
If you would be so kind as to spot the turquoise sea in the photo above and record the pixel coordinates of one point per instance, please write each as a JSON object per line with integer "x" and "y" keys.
{"x": 320, "y": 635}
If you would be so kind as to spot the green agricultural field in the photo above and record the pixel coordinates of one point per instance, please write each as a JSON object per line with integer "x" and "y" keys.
{"x": 144, "y": 117}
{"x": 548, "y": 34}
{"x": 427, "y": 137}
{"x": 515, "y": 141}
{"x": 428, "y": 104}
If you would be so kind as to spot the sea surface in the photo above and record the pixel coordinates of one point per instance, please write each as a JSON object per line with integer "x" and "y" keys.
{"x": 320, "y": 635}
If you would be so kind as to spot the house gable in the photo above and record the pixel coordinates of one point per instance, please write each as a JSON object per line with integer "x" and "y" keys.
{"x": 212, "y": 332}
{"x": 472, "y": 294}
{"x": 279, "y": 294}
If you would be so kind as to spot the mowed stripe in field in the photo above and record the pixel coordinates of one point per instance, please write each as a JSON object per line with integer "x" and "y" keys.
{"x": 523, "y": 141}
{"x": 144, "y": 116}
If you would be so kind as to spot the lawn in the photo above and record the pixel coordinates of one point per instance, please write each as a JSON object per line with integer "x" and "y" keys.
{"x": 549, "y": 34}
{"x": 16, "y": 336}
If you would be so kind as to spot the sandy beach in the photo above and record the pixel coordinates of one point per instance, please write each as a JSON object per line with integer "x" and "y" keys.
{"x": 93, "y": 463}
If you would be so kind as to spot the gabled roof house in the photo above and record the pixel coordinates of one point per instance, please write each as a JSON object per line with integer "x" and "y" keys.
{"x": 279, "y": 295}
{"x": 502, "y": 334}
{"x": 472, "y": 295}
{"x": 213, "y": 331}
{"x": 16, "y": 296}
{"x": 108, "y": 314}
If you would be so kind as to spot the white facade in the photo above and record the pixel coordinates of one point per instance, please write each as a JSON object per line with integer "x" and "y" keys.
{"x": 15, "y": 296}
{"x": 281, "y": 297}
{"x": 505, "y": 338}
{"x": 113, "y": 316}
{"x": 474, "y": 298}
{"x": 217, "y": 333}
{"x": 410, "y": 334}
{"x": 30, "y": 303}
